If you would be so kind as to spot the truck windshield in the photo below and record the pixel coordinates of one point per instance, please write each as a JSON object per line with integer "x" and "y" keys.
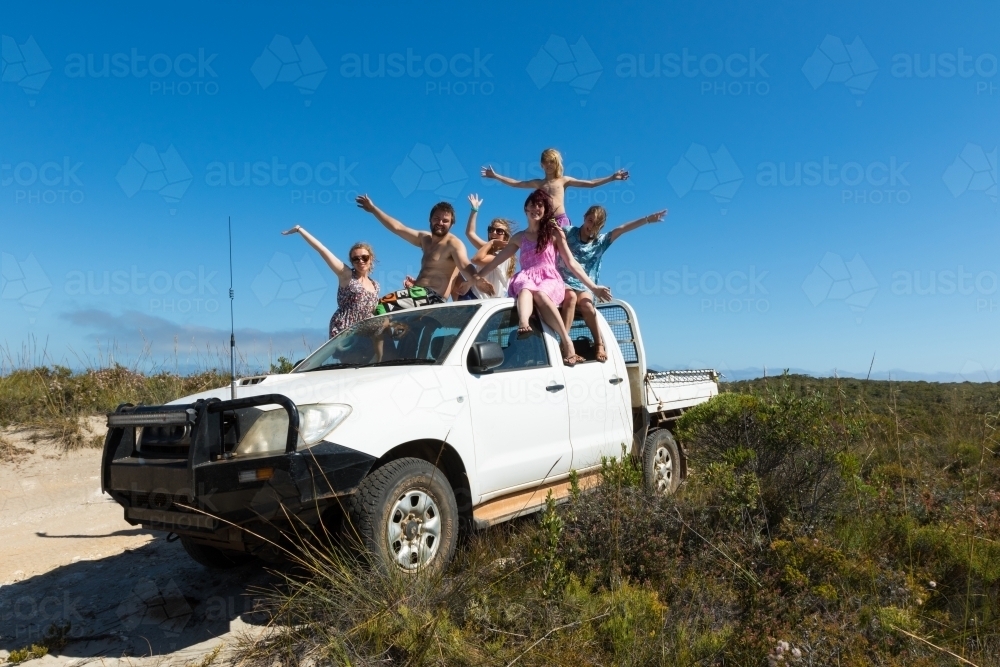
{"x": 415, "y": 336}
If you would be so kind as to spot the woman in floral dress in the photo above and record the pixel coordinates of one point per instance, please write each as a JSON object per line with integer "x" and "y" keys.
{"x": 357, "y": 294}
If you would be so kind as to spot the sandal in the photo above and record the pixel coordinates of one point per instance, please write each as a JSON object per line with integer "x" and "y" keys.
{"x": 601, "y": 354}
{"x": 573, "y": 360}
{"x": 524, "y": 332}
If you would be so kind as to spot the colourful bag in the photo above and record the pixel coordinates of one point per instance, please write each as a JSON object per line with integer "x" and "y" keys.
{"x": 412, "y": 297}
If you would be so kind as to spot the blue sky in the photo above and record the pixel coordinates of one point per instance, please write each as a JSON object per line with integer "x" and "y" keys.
{"x": 885, "y": 244}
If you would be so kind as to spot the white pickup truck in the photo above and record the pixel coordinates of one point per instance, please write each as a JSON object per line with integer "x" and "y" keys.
{"x": 411, "y": 425}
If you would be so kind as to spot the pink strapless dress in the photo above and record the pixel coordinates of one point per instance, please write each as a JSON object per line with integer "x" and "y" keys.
{"x": 538, "y": 273}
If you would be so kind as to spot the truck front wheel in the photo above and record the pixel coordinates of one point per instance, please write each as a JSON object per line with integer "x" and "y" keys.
{"x": 661, "y": 463}
{"x": 405, "y": 514}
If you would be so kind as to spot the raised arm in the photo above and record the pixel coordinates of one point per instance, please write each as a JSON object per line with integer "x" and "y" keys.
{"x": 467, "y": 268}
{"x": 503, "y": 255}
{"x": 487, "y": 172}
{"x": 620, "y": 175}
{"x": 483, "y": 256}
{"x": 470, "y": 228}
{"x": 342, "y": 270}
{"x": 602, "y": 293}
{"x": 390, "y": 223}
{"x": 636, "y": 224}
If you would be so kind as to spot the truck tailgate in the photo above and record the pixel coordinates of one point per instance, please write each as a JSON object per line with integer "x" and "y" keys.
{"x": 669, "y": 390}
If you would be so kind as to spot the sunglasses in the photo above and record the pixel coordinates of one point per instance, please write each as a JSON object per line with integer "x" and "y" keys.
{"x": 497, "y": 230}
{"x": 360, "y": 259}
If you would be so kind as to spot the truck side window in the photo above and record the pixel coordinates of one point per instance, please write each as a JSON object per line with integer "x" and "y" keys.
{"x": 527, "y": 352}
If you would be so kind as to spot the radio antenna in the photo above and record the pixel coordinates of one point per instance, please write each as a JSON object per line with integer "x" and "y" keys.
{"x": 232, "y": 321}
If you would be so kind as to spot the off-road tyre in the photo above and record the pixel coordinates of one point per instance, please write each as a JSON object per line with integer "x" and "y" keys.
{"x": 661, "y": 463}
{"x": 391, "y": 509}
{"x": 211, "y": 557}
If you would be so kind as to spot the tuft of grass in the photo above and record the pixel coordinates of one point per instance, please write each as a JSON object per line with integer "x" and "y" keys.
{"x": 209, "y": 658}
{"x": 20, "y": 655}
{"x": 55, "y": 638}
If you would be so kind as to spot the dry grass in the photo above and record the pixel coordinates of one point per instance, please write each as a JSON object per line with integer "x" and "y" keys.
{"x": 826, "y": 522}
{"x": 824, "y": 526}
{"x": 56, "y": 401}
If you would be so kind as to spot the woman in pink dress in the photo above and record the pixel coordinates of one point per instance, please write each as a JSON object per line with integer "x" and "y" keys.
{"x": 538, "y": 283}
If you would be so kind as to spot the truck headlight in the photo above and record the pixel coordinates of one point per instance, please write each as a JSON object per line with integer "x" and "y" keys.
{"x": 270, "y": 432}
{"x": 317, "y": 420}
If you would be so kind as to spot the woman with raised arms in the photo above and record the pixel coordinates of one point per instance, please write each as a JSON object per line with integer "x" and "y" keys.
{"x": 357, "y": 294}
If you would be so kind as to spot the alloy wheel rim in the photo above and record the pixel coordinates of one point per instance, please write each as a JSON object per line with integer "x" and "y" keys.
{"x": 414, "y": 530}
{"x": 663, "y": 470}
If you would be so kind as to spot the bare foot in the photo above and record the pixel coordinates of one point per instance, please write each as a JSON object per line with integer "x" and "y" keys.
{"x": 601, "y": 355}
{"x": 523, "y": 331}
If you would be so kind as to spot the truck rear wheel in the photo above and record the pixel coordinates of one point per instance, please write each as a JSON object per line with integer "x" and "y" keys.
{"x": 661, "y": 463}
{"x": 405, "y": 514}
{"x": 211, "y": 557}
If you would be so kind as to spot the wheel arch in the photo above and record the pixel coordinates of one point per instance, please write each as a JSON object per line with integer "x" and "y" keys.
{"x": 447, "y": 459}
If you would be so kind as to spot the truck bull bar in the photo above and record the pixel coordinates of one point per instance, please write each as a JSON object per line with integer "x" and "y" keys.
{"x": 200, "y": 421}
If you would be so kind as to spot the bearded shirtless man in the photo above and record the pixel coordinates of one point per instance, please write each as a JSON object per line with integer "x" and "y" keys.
{"x": 443, "y": 253}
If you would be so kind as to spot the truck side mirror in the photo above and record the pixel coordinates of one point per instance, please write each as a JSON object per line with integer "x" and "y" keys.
{"x": 484, "y": 357}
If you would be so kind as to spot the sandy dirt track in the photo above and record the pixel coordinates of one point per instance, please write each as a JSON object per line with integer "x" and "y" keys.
{"x": 68, "y": 557}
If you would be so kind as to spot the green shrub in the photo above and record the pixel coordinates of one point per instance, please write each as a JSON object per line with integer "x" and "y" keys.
{"x": 789, "y": 443}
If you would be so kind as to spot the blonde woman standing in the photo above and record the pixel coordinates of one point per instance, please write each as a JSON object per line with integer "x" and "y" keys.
{"x": 357, "y": 293}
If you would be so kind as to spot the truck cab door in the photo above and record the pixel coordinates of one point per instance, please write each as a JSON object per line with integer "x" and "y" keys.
{"x": 519, "y": 410}
{"x": 598, "y": 400}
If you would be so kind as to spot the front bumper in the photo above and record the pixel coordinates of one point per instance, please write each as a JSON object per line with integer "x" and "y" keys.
{"x": 200, "y": 488}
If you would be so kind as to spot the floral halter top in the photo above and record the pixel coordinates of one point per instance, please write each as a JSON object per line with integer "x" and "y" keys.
{"x": 354, "y": 303}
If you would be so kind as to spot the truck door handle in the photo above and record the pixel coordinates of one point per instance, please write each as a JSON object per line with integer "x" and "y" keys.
{"x": 555, "y": 387}
{"x": 615, "y": 380}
